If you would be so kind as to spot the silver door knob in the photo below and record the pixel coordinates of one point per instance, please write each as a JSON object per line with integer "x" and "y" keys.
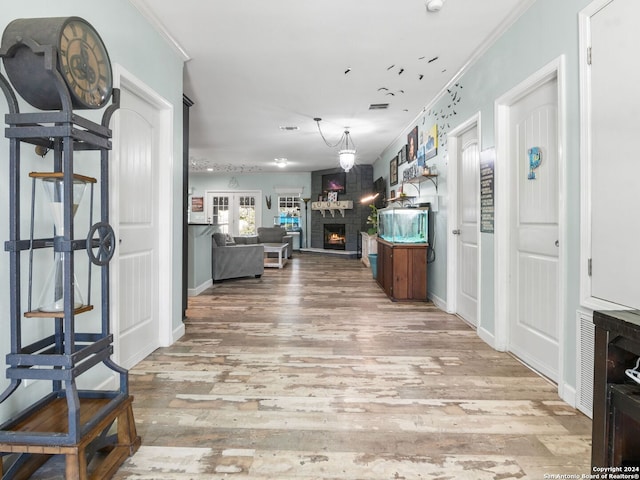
{"x": 455, "y": 232}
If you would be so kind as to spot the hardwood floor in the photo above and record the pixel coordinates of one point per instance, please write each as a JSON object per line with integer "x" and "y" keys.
{"x": 312, "y": 373}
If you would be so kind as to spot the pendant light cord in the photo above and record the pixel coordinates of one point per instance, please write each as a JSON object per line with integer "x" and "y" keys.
{"x": 345, "y": 135}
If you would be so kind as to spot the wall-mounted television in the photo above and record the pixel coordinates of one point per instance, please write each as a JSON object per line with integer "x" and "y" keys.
{"x": 334, "y": 182}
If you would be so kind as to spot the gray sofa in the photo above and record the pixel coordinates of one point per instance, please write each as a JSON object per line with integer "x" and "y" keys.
{"x": 269, "y": 235}
{"x": 229, "y": 260}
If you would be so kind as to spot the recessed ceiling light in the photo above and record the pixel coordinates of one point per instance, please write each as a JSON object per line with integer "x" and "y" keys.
{"x": 281, "y": 162}
{"x": 209, "y": 169}
{"x": 289, "y": 128}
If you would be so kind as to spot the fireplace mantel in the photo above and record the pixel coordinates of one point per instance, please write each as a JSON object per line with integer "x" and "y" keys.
{"x": 331, "y": 207}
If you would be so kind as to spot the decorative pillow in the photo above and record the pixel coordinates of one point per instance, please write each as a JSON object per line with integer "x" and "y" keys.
{"x": 251, "y": 240}
{"x": 220, "y": 239}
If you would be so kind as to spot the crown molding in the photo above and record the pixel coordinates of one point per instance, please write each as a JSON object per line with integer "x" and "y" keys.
{"x": 152, "y": 18}
{"x": 482, "y": 49}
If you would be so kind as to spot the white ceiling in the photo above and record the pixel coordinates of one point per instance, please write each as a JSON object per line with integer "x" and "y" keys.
{"x": 255, "y": 66}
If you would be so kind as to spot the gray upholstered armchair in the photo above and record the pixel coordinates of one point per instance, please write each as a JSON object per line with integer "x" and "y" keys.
{"x": 276, "y": 235}
{"x": 269, "y": 235}
{"x": 234, "y": 261}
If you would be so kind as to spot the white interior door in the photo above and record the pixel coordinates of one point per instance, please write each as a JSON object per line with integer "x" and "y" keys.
{"x": 534, "y": 266}
{"x": 467, "y": 232}
{"x": 136, "y": 287}
{"x": 615, "y": 123}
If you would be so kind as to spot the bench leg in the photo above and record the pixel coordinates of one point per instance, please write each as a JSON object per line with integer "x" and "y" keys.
{"x": 76, "y": 465}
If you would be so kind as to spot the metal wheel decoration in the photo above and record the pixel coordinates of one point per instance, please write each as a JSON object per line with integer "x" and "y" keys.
{"x": 106, "y": 243}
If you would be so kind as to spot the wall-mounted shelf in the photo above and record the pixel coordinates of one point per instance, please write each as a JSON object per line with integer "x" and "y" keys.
{"x": 332, "y": 207}
{"x": 433, "y": 177}
{"x": 401, "y": 198}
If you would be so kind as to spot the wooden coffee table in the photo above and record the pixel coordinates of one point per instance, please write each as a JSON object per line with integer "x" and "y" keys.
{"x": 280, "y": 249}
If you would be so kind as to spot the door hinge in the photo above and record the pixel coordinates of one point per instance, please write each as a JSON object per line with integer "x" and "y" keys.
{"x": 588, "y": 55}
{"x": 589, "y": 264}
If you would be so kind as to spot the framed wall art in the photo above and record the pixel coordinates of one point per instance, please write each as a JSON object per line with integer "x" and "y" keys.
{"x": 402, "y": 155}
{"x": 412, "y": 145}
{"x": 393, "y": 171}
{"x": 197, "y": 204}
{"x": 431, "y": 145}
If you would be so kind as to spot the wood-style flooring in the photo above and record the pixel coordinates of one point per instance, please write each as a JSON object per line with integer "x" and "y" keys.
{"x": 310, "y": 372}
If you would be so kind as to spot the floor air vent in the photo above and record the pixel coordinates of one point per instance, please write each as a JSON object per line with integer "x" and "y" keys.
{"x": 584, "y": 365}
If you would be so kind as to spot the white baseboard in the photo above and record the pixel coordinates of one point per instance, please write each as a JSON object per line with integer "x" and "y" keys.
{"x": 568, "y": 394}
{"x": 489, "y": 338}
{"x": 438, "y": 302}
{"x": 194, "y": 292}
{"x": 178, "y": 332}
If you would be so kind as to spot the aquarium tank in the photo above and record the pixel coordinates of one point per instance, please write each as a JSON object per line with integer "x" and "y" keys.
{"x": 404, "y": 225}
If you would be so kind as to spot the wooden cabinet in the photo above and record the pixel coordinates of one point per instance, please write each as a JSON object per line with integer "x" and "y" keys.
{"x": 402, "y": 270}
{"x": 616, "y": 398}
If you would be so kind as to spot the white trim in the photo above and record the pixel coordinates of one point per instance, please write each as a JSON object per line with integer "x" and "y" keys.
{"x": 568, "y": 394}
{"x": 289, "y": 191}
{"x": 178, "y": 333}
{"x": 453, "y": 221}
{"x": 154, "y": 21}
{"x": 586, "y": 299}
{"x": 194, "y": 292}
{"x": 438, "y": 302}
{"x": 124, "y": 78}
{"x": 554, "y": 69}
{"x": 489, "y": 338}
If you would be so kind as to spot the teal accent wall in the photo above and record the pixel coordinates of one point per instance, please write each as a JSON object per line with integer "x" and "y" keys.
{"x": 135, "y": 45}
{"x": 546, "y": 31}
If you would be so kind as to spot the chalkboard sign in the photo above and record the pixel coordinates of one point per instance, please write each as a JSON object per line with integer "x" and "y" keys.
{"x": 487, "y": 177}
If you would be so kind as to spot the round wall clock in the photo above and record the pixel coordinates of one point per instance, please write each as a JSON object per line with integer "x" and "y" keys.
{"x": 82, "y": 61}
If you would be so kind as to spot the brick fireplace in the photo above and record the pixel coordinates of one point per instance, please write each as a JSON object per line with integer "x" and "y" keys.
{"x": 359, "y": 184}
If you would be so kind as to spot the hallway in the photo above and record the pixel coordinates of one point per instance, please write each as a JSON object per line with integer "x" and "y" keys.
{"x": 312, "y": 373}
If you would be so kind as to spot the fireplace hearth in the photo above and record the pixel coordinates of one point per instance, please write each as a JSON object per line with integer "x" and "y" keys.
{"x": 335, "y": 236}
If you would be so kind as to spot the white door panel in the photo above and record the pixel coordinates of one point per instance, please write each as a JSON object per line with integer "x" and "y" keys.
{"x": 534, "y": 332}
{"x": 538, "y": 239}
{"x": 137, "y": 328}
{"x": 468, "y": 199}
{"x": 615, "y": 123}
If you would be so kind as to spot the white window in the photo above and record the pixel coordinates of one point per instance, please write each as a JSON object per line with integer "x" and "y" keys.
{"x": 289, "y": 212}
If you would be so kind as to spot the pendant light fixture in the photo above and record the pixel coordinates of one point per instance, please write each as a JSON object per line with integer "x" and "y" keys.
{"x": 347, "y": 152}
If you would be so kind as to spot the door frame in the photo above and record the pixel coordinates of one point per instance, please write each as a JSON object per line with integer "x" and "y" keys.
{"x": 453, "y": 140}
{"x": 503, "y": 194}
{"x": 124, "y": 79}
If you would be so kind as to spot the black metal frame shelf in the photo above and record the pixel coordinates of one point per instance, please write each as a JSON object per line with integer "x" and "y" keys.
{"x": 63, "y": 356}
